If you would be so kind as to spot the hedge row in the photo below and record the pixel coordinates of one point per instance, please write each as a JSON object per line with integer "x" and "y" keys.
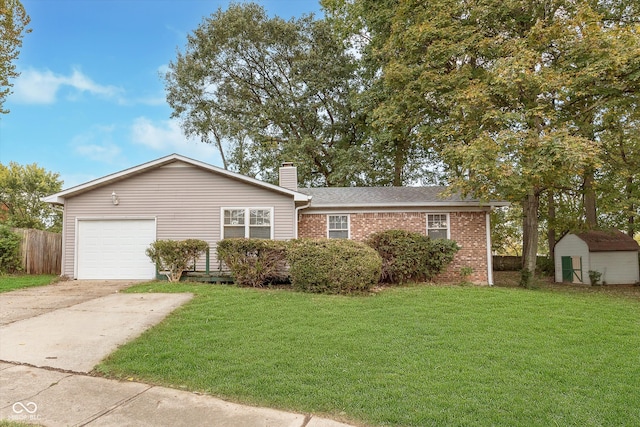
{"x": 336, "y": 266}
{"x": 408, "y": 256}
{"x": 254, "y": 262}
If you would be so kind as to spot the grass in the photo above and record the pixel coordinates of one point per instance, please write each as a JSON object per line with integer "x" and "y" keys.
{"x": 410, "y": 356}
{"x": 13, "y": 282}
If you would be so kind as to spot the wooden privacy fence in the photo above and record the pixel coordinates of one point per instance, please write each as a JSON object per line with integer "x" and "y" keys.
{"x": 511, "y": 263}
{"x": 41, "y": 251}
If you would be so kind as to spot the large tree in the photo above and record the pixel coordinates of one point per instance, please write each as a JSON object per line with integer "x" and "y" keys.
{"x": 13, "y": 23}
{"x": 21, "y": 191}
{"x": 507, "y": 92}
{"x": 266, "y": 90}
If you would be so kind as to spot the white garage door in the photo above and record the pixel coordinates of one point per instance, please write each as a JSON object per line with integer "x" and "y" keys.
{"x": 115, "y": 249}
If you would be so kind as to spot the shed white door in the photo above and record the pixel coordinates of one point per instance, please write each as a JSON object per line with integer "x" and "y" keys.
{"x": 115, "y": 249}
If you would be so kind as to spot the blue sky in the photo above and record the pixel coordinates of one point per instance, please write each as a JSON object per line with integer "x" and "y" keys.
{"x": 90, "y": 100}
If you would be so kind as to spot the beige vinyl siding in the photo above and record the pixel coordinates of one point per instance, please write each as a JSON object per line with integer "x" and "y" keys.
{"x": 185, "y": 200}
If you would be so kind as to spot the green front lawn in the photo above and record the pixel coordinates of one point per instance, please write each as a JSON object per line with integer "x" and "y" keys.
{"x": 13, "y": 282}
{"x": 415, "y": 356}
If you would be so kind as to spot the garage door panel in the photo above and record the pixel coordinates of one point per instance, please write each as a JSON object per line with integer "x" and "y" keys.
{"x": 115, "y": 249}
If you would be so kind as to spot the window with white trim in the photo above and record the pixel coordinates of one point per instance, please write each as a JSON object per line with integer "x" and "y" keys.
{"x": 338, "y": 226}
{"x": 255, "y": 223}
{"x": 438, "y": 226}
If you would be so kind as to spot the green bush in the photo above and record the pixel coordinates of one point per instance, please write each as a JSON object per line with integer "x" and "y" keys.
{"x": 594, "y": 277}
{"x": 254, "y": 262}
{"x": 175, "y": 256}
{"x": 9, "y": 250}
{"x": 332, "y": 266}
{"x": 408, "y": 256}
{"x": 440, "y": 255}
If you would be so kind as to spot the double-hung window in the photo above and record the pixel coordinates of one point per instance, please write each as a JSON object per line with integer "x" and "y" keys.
{"x": 338, "y": 226}
{"x": 247, "y": 222}
{"x": 438, "y": 226}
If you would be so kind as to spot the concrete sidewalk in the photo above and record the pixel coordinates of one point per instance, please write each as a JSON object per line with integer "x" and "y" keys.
{"x": 56, "y": 398}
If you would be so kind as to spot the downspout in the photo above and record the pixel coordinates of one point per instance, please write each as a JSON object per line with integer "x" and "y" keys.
{"x": 295, "y": 228}
{"x": 489, "y": 255}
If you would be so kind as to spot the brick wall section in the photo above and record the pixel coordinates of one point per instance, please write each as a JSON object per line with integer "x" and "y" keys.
{"x": 364, "y": 224}
{"x": 467, "y": 228}
{"x": 313, "y": 226}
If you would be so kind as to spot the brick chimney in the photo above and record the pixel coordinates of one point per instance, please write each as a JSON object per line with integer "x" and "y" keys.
{"x": 289, "y": 176}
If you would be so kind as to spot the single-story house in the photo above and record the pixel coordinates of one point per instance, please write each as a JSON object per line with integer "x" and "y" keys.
{"x": 611, "y": 253}
{"x": 109, "y": 222}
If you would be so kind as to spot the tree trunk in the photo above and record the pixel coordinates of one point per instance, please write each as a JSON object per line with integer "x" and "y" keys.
{"x": 551, "y": 230}
{"x": 590, "y": 199}
{"x": 530, "y": 207}
{"x": 398, "y": 164}
{"x": 631, "y": 221}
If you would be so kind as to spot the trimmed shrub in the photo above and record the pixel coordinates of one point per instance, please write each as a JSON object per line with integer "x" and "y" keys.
{"x": 175, "y": 256}
{"x": 254, "y": 262}
{"x": 332, "y": 266}
{"x": 9, "y": 250}
{"x": 408, "y": 256}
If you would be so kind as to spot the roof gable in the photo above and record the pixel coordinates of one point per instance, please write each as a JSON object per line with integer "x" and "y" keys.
{"x": 168, "y": 161}
{"x": 605, "y": 241}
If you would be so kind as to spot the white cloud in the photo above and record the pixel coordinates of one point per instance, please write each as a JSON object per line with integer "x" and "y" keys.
{"x": 167, "y": 137}
{"x": 96, "y": 144}
{"x": 42, "y": 86}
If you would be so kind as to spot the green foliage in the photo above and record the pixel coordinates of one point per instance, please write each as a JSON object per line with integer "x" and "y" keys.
{"x": 594, "y": 277}
{"x": 272, "y": 90}
{"x": 408, "y": 256}
{"x": 13, "y": 23}
{"x": 332, "y": 266}
{"x": 9, "y": 250}
{"x": 254, "y": 262}
{"x": 546, "y": 266}
{"x": 21, "y": 191}
{"x": 517, "y": 98}
{"x": 175, "y": 256}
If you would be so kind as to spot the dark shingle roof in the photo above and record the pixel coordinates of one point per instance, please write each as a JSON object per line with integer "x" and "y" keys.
{"x": 611, "y": 240}
{"x": 386, "y": 196}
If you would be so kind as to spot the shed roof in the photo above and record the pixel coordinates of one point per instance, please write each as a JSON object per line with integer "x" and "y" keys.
{"x": 339, "y": 197}
{"x": 609, "y": 240}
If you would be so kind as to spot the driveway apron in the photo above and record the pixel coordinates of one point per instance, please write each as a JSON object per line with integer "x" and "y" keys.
{"x": 76, "y": 337}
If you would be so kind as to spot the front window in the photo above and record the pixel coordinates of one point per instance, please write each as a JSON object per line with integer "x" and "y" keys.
{"x": 438, "y": 226}
{"x": 234, "y": 224}
{"x": 338, "y": 227}
{"x": 258, "y": 225}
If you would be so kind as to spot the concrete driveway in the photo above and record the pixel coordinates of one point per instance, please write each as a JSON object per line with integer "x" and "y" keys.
{"x": 74, "y": 325}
